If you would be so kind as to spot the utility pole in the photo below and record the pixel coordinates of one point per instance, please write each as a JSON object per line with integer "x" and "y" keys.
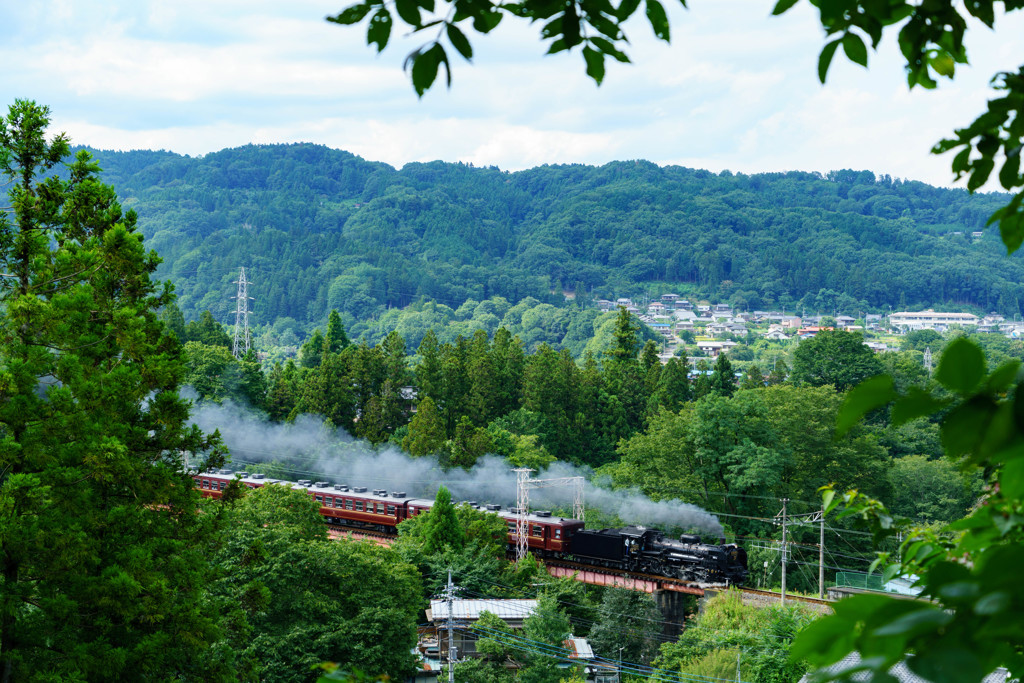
{"x": 449, "y": 595}
{"x": 821, "y": 557}
{"x": 783, "y": 600}
{"x": 241, "y": 343}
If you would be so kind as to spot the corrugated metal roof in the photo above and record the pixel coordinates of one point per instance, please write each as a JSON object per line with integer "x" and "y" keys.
{"x": 901, "y": 672}
{"x": 579, "y": 648}
{"x": 472, "y": 609}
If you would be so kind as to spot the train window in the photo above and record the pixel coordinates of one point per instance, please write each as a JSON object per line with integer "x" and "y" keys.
{"x": 391, "y": 509}
{"x": 558, "y": 532}
{"x": 348, "y": 503}
{"x": 513, "y": 528}
{"x": 329, "y": 501}
{"x": 206, "y": 484}
{"x": 319, "y": 499}
{"x": 221, "y": 486}
{"x": 359, "y": 506}
{"x": 538, "y": 530}
{"x": 380, "y": 508}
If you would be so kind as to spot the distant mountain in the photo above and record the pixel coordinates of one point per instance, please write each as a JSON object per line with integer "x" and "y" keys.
{"x": 318, "y": 229}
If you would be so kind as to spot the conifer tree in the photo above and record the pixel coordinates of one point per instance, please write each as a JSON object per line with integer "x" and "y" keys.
{"x": 752, "y": 378}
{"x": 282, "y": 394}
{"x": 673, "y": 385}
{"x": 624, "y": 342}
{"x": 312, "y": 352}
{"x": 442, "y": 527}
{"x": 426, "y": 430}
{"x": 102, "y": 547}
{"x": 650, "y": 365}
{"x": 723, "y": 380}
{"x": 336, "y": 337}
{"x": 428, "y": 372}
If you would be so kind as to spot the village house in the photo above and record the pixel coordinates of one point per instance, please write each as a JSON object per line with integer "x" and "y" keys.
{"x": 467, "y": 612}
{"x": 714, "y": 348}
{"x": 930, "y": 320}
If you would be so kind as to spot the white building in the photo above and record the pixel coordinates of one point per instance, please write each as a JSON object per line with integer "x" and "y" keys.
{"x": 930, "y": 320}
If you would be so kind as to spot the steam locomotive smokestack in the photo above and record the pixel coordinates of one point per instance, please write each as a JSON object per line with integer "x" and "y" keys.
{"x": 309, "y": 449}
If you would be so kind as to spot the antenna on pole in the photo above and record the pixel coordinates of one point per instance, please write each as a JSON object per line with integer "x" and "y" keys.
{"x": 241, "y": 343}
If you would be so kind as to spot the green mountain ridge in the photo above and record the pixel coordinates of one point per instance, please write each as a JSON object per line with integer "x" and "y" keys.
{"x": 320, "y": 229}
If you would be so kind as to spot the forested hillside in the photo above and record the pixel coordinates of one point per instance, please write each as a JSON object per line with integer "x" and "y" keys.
{"x": 320, "y": 229}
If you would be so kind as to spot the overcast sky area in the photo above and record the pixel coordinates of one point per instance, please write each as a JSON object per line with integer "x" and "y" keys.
{"x": 736, "y": 89}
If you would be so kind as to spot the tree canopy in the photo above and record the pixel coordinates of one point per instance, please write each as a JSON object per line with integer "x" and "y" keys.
{"x": 102, "y": 546}
{"x": 930, "y": 37}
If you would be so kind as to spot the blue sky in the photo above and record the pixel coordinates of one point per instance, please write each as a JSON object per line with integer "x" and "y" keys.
{"x": 736, "y": 89}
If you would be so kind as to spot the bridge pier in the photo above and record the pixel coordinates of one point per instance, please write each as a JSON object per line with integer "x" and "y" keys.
{"x": 673, "y": 605}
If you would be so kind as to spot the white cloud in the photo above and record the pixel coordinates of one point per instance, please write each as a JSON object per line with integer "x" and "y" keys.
{"x": 736, "y": 89}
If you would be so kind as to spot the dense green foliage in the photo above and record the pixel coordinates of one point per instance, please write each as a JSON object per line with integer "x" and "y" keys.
{"x": 298, "y": 598}
{"x": 967, "y": 569}
{"x": 321, "y": 229}
{"x": 103, "y": 552}
{"x": 729, "y": 638}
{"x": 930, "y": 37}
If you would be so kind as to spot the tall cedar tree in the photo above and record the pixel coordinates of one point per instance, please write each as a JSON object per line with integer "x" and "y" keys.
{"x": 443, "y": 528}
{"x": 102, "y": 547}
{"x": 723, "y": 379}
{"x": 336, "y": 337}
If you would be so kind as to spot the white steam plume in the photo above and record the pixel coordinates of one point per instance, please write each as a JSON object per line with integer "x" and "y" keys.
{"x": 311, "y": 450}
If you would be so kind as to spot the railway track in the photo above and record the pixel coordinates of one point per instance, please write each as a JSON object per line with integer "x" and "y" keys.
{"x": 378, "y": 537}
{"x": 789, "y": 596}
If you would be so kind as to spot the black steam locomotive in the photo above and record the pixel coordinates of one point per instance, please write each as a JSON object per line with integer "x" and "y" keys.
{"x": 649, "y": 551}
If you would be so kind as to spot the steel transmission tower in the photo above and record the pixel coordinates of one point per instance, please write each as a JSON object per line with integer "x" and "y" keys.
{"x": 523, "y": 486}
{"x": 241, "y": 345}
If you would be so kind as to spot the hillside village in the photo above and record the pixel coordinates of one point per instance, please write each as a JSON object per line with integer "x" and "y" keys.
{"x": 709, "y": 329}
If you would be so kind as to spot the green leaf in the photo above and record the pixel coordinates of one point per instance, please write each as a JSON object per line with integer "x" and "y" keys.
{"x": 351, "y": 15}
{"x": 962, "y": 366}
{"x": 783, "y": 6}
{"x": 425, "y": 65}
{"x": 608, "y": 48}
{"x": 825, "y": 59}
{"x": 917, "y": 622}
{"x": 409, "y": 11}
{"x": 557, "y": 46}
{"x": 485, "y": 22}
{"x": 944, "y": 64}
{"x": 869, "y": 395}
{"x": 946, "y": 664}
{"x": 993, "y": 603}
{"x": 379, "y": 30}
{"x": 1011, "y": 479}
{"x": 855, "y": 50}
{"x": 917, "y": 403}
{"x": 459, "y": 41}
{"x": 626, "y": 9}
{"x": 1003, "y": 376}
{"x": 824, "y": 641}
{"x": 658, "y": 19}
{"x": 595, "y": 64}
{"x": 828, "y": 501}
{"x": 858, "y": 608}
{"x": 964, "y": 427}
